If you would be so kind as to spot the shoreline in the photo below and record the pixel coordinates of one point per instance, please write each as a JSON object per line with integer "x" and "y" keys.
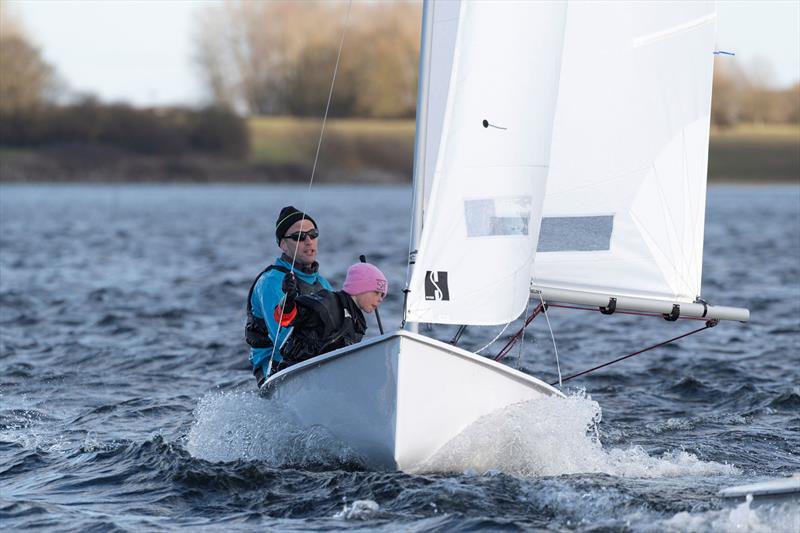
{"x": 28, "y": 166}
{"x": 355, "y": 151}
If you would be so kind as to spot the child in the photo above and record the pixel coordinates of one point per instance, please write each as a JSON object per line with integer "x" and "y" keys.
{"x": 329, "y": 320}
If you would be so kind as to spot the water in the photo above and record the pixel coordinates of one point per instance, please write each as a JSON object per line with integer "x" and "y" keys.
{"x": 126, "y": 402}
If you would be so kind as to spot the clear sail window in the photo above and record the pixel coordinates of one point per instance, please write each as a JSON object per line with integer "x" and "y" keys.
{"x": 575, "y": 234}
{"x": 489, "y": 217}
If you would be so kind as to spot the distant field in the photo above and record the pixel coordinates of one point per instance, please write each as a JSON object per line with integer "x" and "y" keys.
{"x": 360, "y": 151}
{"x": 755, "y": 153}
{"x": 354, "y": 147}
{"x": 351, "y": 148}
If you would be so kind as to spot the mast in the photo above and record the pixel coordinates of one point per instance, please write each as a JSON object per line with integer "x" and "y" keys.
{"x": 420, "y": 138}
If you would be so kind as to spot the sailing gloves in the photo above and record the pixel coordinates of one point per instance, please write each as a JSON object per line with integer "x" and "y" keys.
{"x": 286, "y": 313}
{"x": 289, "y": 286}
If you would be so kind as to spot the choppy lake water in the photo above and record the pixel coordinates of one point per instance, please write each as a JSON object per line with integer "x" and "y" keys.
{"x": 126, "y": 402}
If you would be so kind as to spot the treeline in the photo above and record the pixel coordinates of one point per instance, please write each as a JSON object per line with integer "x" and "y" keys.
{"x": 277, "y": 58}
{"x": 33, "y": 115}
{"x": 171, "y": 131}
{"x": 744, "y": 96}
{"x": 26, "y": 80}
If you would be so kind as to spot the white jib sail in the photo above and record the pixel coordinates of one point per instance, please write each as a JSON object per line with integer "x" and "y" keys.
{"x": 625, "y": 204}
{"x": 440, "y": 46}
{"x": 481, "y": 224}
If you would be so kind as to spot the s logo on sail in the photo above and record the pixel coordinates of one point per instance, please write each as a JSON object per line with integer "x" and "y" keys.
{"x": 436, "y": 285}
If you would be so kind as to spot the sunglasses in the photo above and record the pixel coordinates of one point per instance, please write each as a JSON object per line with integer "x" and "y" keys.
{"x": 301, "y": 235}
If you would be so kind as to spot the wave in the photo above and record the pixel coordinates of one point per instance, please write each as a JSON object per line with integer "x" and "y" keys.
{"x": 546, "y": 437}
{"x": 241, "y": 425}
{"x": 556, "y": 436}
{"x": 767, "y": 519}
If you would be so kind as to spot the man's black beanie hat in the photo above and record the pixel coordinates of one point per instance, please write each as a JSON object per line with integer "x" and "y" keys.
{"x": 289, "y": 215}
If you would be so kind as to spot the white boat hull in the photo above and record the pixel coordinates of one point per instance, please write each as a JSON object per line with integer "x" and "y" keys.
{"x": 774, "y": 491}
{"x": 398, "y": 398}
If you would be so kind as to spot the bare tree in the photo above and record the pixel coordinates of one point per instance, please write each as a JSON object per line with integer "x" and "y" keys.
{"x": 729, "y": 82}
{"x": 26, "y": 80}
{"x": 746, "y": 93}
{"x": 210, "y": 59}
{"x": 278, "y": 57}
{"x": 246, "y": 50}
{"x": 386, "y": 52}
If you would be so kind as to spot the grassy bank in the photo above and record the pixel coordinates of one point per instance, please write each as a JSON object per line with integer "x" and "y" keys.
{"x": 352, "y": 149}
{"x": 361, "y": 151}
{"x": 755, "y": 153}
{"x": 747, "y": 153}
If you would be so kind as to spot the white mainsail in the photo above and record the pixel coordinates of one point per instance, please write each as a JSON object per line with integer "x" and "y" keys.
{"x": 625, "y": 204}
{"x": 477, "y": 246}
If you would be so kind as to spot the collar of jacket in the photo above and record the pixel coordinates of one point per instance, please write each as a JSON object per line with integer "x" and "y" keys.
{"x": 355, "y": 311}
{"x": 300, "y": 267}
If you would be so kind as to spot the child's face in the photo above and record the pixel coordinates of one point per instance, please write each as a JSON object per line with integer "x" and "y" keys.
{"x": 369, "y": 301}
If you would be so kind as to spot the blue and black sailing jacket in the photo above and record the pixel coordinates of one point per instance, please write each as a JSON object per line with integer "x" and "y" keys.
{"x": 265, "y": 294}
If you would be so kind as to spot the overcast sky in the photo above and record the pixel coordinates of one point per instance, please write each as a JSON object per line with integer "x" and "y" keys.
{"x": 140, "y": 51}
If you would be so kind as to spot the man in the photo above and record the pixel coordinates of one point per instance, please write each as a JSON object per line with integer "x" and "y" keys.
{"x": 329, "y": 320}
{"x": 297, "y": 236}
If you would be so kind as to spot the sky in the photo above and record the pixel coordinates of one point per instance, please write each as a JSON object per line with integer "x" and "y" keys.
{"x": 140, "y": 51}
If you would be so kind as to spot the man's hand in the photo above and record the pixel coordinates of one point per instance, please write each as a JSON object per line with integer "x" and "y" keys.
{"x": 289, "y": 286}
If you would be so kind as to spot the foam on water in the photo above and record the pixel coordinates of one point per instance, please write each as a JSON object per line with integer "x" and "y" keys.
{"x": 230, "y": 426}
{"x": 359, "y": 510}
{"x": 554, "y": 436}
{"x": 744, "y": 518}
{"x": 28, "y": 425}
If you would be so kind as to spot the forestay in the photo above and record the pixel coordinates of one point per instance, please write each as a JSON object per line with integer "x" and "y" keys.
{"x": 481, "y": 224}
{"x": 625, "y": 203}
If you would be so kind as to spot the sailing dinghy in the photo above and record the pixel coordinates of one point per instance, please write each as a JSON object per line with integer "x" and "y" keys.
{"x": 560, "y": 155}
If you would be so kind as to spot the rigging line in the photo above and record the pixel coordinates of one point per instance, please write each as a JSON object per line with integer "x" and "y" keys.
{"x": 495, "y": 339}
{"x": 709, "y": 324}
{"x": 313, "y": 171}
{"x": 522, "y": 338}
{"x": 553, "y": 337}
{"x": 507, "y": 348}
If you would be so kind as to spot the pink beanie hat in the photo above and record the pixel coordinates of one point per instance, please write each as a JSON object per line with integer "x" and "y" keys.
{"x": 365, "y": 277}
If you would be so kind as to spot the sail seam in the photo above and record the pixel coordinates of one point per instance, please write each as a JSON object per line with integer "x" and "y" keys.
{"x": 503, "y": 166}
{"x": 650, "y": 241}
{"x": 679, "y": 269}
{"x": 680, "y": 28}
{"x": 595, "y": 184}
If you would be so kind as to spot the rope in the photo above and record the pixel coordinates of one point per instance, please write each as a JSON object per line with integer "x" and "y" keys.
{"x": 553, "y": 337}
{"x": 313, "y": 171}
{"x": 510, "y": 343}
{"x": 493, "y": 340}
{"x": 709, "y": 324}
{"x": 522, "y": 337}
